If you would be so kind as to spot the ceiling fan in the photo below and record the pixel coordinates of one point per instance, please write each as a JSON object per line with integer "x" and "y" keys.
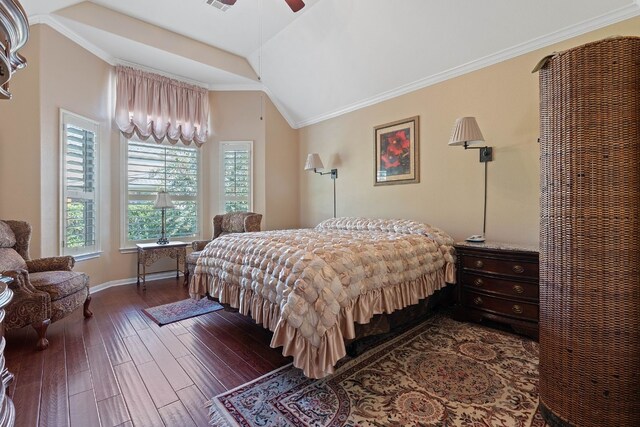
{"x": 295, "y": 5}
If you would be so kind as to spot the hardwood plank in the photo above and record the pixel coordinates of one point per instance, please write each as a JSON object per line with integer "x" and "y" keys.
{"x": 26, "y": 400}
{"x": 195, "y": 402}
{"x": 26, "y": 397}
{"x": 158, "y": 386}
{"x": 83, "y": 410}
{"x": 79, "y": 382}
{"x": 176, "y": 414}
{"x": 113, "y": 343}
{"x": 91, "y": 332}
{"x": 201, "y": 376}
{"x": 74, "y": 347}
{"x": 113, "y": 411}
{"x": 171, "y": 369}
{"x": 141, "y": 408}
{"x": 127, "y": 424}
{"x": 104, "y": 381}
{"x": 122, "y": 324}
{"x": 170, "y": 341}
{"x": 137, "y": 320}
{"x": 243, "y": 369}
{"x": 227, "y": 376}
{"x": 177, "y": 328}
{"x": 54, "y": 405}
{"x": 139, "y": 353}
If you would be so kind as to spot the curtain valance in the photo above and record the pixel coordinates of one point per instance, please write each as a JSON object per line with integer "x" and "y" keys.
{"x": 148, "y": 104}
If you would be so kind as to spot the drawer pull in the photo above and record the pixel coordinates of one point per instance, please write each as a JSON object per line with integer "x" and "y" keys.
{"x": 518, "y": 269}
{"x": 518, "y": 289}
{"x": 478, "y": 282}
{"x": 517, "y": 309}
{"x": 477, "y": 301}
{"x": 479, "y": 264}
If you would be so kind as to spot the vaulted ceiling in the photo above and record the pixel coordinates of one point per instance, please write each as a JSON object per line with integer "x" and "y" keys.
{"x": 333, "y": 56}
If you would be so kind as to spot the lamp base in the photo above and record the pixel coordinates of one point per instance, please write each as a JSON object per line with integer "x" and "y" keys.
{"x": 163, "y": 241}
{"x": 477, "y": 238}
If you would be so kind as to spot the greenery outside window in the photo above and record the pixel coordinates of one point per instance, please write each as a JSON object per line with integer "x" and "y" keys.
{"x": 152, "y": 167}
{"x": 236, "y": 167}
{"x": 79, "y": 182}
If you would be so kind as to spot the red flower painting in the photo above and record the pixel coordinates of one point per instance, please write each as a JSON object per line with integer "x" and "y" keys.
{"x": 395, "y": 153}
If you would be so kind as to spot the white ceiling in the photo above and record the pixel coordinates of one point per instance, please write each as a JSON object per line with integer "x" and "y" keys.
{"x": 333, "y": 56}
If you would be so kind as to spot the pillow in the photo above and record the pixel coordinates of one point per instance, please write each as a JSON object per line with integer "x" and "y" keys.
{"x": 7, "y": 237}
{"x": 10, "y": 260}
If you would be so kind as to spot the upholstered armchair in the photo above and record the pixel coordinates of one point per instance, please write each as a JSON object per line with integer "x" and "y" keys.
{"x": 44, "y": 290}
{"x": 232, "y": 222}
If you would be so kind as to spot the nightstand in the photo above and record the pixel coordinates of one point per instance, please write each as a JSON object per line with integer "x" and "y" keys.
{"x": 498, "y": 282}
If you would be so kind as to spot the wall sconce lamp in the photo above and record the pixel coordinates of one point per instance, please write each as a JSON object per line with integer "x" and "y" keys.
{"x": 466, "y": 132}
{"x": 163, "y": 201}
{"x": 314, "y": 163}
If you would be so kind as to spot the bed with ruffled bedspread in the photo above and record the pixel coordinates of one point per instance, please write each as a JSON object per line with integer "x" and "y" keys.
{"x": 309, "y": 286}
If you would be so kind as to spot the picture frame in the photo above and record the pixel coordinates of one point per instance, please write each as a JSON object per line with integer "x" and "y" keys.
{"x": 396, "y": 152}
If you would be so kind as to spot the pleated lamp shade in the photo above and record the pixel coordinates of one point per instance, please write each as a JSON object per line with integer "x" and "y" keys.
{"x": 466, "y": 130}
{"x": 163, "y": 200}
{"x": 313, "y": 162}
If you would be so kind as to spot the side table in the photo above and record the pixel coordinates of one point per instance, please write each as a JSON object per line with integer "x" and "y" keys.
{"x": 148, "y": 253}
{"x": 7, "y": 410}
{"x": 499, "y": 282}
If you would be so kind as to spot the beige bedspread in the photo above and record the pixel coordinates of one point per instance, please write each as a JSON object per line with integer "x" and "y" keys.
{"x": 309, "y": 286}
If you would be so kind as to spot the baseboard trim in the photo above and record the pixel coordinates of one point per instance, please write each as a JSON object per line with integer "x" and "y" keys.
{"x": 131, "y": 280}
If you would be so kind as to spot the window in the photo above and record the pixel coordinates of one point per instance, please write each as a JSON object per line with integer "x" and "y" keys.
{"x": 152, "y": 167}
{"x": 79, "y": 211}
{"x": 236, "y": 166}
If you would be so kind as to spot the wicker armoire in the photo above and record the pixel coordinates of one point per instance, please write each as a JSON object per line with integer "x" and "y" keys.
{"x": 590, "y": 235}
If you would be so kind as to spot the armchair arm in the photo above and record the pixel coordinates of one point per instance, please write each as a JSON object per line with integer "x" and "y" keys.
{"x": 198, "y": 245}
{"x": 56, "y": 263}
{"x": 28, "y": 305}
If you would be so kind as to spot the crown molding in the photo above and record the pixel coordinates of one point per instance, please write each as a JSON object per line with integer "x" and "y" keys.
{"x": 617, "y": 15}
{"x": 71, "y": 35}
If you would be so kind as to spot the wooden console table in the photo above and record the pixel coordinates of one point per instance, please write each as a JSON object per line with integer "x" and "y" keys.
{"x": 148, "y": 253}
{"x": 7, "y": 410}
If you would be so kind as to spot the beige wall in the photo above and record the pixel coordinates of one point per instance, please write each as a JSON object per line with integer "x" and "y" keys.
{"x": 282, "y": 184}
{"x": 20, "y": 142}
{"x": 503, "y": 98}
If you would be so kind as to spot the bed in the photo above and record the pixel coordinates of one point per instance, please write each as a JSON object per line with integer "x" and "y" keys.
{"x": 311, "y": 286}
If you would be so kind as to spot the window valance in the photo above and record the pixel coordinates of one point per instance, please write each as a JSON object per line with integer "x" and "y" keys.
{"x": 150, "y": 105}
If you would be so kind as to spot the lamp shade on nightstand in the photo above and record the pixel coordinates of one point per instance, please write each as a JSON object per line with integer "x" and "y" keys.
{"x": 163, "y": 201}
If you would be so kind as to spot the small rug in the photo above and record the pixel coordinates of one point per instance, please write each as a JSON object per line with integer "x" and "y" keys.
{"x": 175, "y": 311}
{"x": 441, "y": 373}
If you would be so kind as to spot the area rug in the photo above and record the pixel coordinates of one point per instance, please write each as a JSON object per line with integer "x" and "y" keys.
{"x": 180, "y": 310}
{"x": 440, "y": 373}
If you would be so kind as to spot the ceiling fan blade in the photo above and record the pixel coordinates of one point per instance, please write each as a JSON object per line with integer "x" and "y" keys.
{"x": 295, "y": 5}
{"x": 228, "y": 2}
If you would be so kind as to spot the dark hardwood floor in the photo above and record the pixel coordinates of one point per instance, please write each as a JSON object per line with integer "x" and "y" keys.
{"x": 120, "y": 369}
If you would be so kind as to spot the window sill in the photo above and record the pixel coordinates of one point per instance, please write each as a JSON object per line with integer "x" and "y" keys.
{"x": 88, "y": 256}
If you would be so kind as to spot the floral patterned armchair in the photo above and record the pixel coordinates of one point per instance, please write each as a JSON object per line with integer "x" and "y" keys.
{"x": 232, "y": 222}
{"x": 44, "y": 290}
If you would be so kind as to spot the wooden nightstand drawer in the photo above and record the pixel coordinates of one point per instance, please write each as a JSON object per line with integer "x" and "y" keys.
{"x": 506, "y": 307}
{"x": 506, "y": 287}
{"x": 498, "y": 283}
{"x": 501, "y": 266}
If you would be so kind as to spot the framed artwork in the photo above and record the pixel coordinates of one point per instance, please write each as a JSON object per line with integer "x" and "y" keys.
{"x": 397, "y": 158}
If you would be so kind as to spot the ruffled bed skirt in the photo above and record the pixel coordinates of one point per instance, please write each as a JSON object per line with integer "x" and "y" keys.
{"x": 318, "y": 362}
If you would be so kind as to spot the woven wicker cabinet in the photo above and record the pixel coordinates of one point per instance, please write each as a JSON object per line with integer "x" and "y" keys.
{"x": 590, "y": 235}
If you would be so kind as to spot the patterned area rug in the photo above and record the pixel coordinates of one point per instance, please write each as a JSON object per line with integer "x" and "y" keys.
{"x": 441, "y": 373}
{"x": 175, "y": 311}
